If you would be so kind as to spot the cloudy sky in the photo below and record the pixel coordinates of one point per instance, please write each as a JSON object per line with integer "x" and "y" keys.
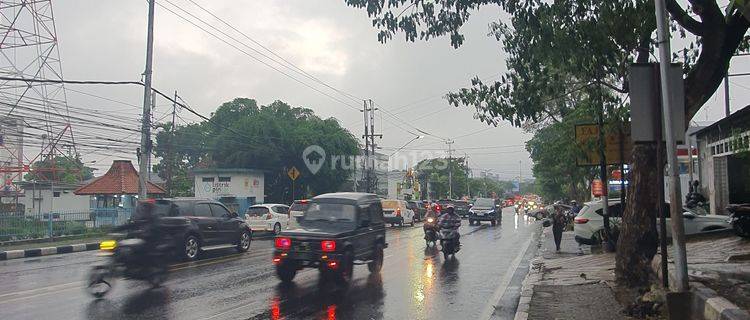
{"x": 105, "y": 40}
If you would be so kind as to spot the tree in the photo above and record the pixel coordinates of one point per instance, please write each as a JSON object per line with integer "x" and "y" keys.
{"x": 554, "y": 152}
{"x": 242, "y": 134}
{"x": 435, "y": 172}
{"x": 66, "y": 170}
{"x": 563, "y": 53}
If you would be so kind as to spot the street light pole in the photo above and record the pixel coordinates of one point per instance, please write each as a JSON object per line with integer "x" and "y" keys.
{"x": 675, "y": 208}
{"x": 145, "y": 154}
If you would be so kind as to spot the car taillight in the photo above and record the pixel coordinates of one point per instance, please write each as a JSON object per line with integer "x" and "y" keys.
{"x": 398, "y": 212}
{"x": 283, "y": 243}
{"x": 328, "y": 246}
{"x": 580, "y": 220}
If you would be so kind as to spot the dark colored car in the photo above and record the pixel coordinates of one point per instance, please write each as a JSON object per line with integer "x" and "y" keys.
{"x": 461, "y": 207}
{"x": 336, "y": 231}
{"x": 419, "y": 209}
{"x": 196, "y": 225}
{"x": 485, "y": 209}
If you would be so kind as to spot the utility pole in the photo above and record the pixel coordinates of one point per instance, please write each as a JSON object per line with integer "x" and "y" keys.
{"x": 373, "y": 177}
{"x": 145, "y": 153}
{"x": 170, "y": 156}
{"x": 520, "y": 176}
{"x": 727, "y": 110}
{"x": 675, "y": 199}
{"x": 468, "y": 187}
{"x": 366, "y": 136}
{"x": 450, "y": 169}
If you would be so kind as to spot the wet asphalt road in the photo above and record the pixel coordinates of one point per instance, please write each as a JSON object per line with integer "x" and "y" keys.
{"x": 415, "y": 283}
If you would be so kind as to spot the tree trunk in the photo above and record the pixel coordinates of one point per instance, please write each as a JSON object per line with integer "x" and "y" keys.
{"x": 638, "y": 239}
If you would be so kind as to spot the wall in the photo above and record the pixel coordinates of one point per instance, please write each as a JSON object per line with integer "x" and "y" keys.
{"x": 243, "y": 189}
{"x": 45, "y": 202}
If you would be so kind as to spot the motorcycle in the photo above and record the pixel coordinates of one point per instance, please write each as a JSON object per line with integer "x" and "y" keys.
{"x": 430, "y": 231}
{"x": 129, "y": 258}
{"x": 449, "y": 242}
{"x": 740, "y": 219}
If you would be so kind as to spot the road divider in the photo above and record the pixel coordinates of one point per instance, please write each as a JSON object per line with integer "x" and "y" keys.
{"x": 46, "y": 251}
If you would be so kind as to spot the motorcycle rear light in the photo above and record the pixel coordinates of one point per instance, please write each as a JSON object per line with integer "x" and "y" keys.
{"x": 333, "y": 264}
{"x": 283, "y": 243}
{"x": 398, "y": 212}
{"x": 328, "y": 246}
{"x": 276, "y": 260}
{"x": 580, "y": 220}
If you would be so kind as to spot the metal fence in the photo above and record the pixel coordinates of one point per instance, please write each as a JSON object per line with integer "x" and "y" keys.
{"x": 14, "y": 226}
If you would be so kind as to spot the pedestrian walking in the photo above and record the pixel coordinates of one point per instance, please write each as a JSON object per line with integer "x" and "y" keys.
{"x": 559, "y": 221}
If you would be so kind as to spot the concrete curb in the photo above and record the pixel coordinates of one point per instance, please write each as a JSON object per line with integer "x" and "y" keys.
{"x": 536, "y": 265}
{"x": 46, "y": 251}
{"x": 703, "y": 302}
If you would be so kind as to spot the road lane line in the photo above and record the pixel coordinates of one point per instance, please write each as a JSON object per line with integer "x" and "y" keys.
{"x": 39, "y": 294}
{"x": 39, "y": 289}
{"x": 489, "y": 309}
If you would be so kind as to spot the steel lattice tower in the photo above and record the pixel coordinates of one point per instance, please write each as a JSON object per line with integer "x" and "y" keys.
{"x": 29, "y": 49}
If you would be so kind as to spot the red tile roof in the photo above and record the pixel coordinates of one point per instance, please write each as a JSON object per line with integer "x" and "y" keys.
{"x": 120, "y": 179}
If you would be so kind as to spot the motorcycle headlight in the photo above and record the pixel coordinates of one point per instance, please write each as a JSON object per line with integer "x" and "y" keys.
{"x": 430, "y": 220}
{"x": 108, "y": 245}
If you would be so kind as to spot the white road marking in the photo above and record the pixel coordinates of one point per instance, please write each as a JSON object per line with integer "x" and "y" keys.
{"x": 489, "y": 309}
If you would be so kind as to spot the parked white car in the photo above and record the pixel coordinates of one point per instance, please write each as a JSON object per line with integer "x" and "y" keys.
{"x": 397, "y": 212}
{"x": 267, "y": 217}
{"x": 589, "y": 223}
{"x": 296, "y": 212}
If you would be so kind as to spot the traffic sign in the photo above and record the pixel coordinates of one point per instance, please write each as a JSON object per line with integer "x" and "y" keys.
{"x": 293, "y": 173}
{"x": 587, "y": 139}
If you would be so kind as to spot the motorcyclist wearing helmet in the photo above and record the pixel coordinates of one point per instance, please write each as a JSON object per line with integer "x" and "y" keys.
{"x": 449, "y": 219}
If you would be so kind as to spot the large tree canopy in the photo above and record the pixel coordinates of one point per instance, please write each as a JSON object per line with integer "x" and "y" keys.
{"x": 564, "y": 54}
{"x": 242, "y": 134}
{"x": 63, "y": 169}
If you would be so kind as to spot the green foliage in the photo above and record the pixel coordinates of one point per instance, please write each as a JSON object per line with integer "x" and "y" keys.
{"x": 435, "y": 172}
{"x": 270, "y": 138}
{"x": 67, "y": 170}
{"x": 554, "y": 152}
{"x": 484, "y": 187}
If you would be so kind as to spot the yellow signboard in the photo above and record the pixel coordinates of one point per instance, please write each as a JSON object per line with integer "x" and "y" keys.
{"x": 587, "y": 139}
{"x": 293, "y": 173}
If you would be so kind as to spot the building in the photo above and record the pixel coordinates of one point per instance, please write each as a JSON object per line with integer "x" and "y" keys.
{"x": 235, "y": 187}
{"x": 724, "y": 160}
{"x": 45, "y": 196}
{"x": 357, "y": 182}
{"x": 114, "y": 195}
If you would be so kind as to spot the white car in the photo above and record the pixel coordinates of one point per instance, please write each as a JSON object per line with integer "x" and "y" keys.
{"x": 396, "y": 212}
{"x": 267, "y": 217}
{"x": 589, "y": 223}
{"x": 296, "y": 212}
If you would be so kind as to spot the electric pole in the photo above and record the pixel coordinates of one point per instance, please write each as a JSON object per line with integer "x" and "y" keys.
{"x": 145, "y": 152}
{"x": 675, "y": 198}
{"x": 366, "y": 136}
{"x": 450, "y": 170}
{"x": 373, "y": 177}
{"x": 468, "y": 187}
{"x": 170, "y": 156}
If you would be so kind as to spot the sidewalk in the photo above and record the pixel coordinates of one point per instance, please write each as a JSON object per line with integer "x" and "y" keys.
{"x": 722, "y": 264}
{"x": 566, "y": 285}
